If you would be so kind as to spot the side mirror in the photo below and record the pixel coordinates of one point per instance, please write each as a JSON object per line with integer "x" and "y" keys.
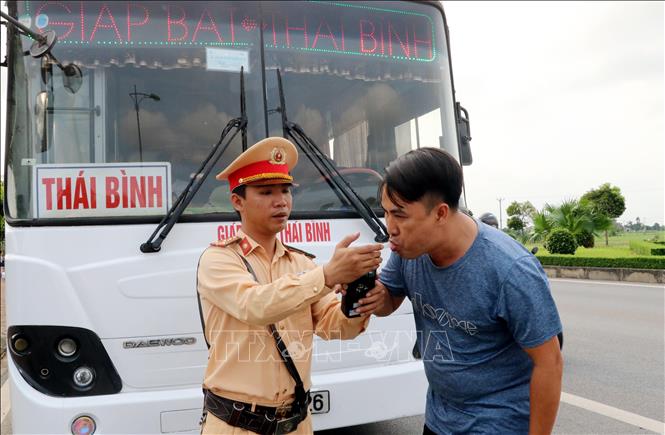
{"x": 464, "y": 130}
{"x": 42, "y": 121}
{"x": 72, "y": 78}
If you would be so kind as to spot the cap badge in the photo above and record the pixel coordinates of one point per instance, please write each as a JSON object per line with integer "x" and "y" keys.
{"x": 277, "y": 156}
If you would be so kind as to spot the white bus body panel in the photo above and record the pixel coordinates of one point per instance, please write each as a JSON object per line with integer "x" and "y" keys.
{"x": 95, "y": 277}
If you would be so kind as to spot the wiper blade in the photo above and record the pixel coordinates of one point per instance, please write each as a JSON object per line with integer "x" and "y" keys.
{"x": 233, "y": 127}
{"x": 338, "y": 183}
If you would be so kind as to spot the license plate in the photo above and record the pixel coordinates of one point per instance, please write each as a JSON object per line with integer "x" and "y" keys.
{"x": 320, "y": 402}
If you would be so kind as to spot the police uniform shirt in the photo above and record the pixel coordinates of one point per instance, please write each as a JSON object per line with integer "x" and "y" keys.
{"x": 244, "y": 363}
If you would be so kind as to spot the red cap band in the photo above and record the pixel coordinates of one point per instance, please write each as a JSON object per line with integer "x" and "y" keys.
{"x": 257, "y": 171}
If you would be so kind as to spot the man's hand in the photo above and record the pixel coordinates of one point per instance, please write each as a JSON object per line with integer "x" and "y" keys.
{"x": 378, "y": 301}
{"x": 347, "y": 264}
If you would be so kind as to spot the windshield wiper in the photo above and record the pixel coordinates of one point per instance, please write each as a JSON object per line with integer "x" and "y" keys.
{"x": 154, "y": 242}
{"x": 328, "y": 170}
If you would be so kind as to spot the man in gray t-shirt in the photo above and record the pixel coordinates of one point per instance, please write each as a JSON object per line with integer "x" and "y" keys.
{"x": 486, "y": 320}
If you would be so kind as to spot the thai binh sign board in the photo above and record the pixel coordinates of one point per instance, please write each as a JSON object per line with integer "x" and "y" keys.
{"x": 305, "y": 231}
{"x": 101, "y": 190}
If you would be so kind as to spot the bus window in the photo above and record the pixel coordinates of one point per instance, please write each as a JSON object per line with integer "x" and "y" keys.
{"x": 160, "y": 82}
{"x": 161, "y": 79}
{"x": 422, "y": 131}
{"x": 353, "y": 77}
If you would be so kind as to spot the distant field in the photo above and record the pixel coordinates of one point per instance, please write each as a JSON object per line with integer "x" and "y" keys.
{"x": 617, "y": 247}
{"x": 622, "y": 240}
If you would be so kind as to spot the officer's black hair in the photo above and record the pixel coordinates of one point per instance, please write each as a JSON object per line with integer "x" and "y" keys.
{"x": 426, "y": 173}
{"x": 240, "y": 190}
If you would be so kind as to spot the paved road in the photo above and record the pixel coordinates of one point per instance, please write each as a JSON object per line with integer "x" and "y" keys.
{"x": 615, "y": 344}
{"x": 614, "y": 352}
{"x": 614, "y": 376}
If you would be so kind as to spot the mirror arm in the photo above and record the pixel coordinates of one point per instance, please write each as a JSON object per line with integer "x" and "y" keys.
{"x": 24, "y": 30}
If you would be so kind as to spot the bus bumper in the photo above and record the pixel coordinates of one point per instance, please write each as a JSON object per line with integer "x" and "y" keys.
{"x": 356, "y": 396}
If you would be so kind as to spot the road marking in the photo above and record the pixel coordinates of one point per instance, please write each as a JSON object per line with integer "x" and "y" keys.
{"x": 615, "y": 413}
{"x": 619, "y": 283}
{"x": 4, "y": 396}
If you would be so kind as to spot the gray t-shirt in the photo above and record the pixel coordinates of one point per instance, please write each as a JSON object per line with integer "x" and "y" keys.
{"x": 473, "y": 319}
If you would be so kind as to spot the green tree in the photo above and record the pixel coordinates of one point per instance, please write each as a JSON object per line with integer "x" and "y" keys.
{"x": 515, "y": 223}
{"x": 519, "y": 211}
{"x": 607, "y": 200}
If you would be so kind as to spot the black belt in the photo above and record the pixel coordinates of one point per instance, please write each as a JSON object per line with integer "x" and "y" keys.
{"x": 264, "y": 420}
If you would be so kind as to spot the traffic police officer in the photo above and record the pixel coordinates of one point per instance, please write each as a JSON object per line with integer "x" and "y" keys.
{"x": 255, "y": 291}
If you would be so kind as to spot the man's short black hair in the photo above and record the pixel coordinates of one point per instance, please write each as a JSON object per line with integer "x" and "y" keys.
{"x": 426, "y": 173}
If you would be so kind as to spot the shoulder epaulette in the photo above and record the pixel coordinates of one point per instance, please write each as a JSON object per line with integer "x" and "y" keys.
{"x": 300, "y": 251}
{"x": 226, "y": 242}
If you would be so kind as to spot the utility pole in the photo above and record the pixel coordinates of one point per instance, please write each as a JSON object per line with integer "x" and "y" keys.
{"x": 500, "y": 213}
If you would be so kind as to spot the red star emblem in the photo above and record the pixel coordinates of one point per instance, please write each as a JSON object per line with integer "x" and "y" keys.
{"x": 245, "y": 246}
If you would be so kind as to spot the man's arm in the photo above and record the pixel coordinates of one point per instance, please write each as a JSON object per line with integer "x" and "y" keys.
{"x": 545, "y": 389}
{"x": 223, "y": 280}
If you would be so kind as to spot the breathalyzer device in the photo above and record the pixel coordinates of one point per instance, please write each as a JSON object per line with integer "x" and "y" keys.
{"x": 356, "y": 291}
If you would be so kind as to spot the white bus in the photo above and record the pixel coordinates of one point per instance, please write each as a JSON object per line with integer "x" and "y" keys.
{"x": 112, "y": 114}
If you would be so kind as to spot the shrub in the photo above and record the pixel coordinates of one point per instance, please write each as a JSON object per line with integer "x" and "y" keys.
{"x": 623, "y": 262}
{"x": 646, "y": 248}
{"x": 585, "y": 238}
{"x": 561, "y": 241}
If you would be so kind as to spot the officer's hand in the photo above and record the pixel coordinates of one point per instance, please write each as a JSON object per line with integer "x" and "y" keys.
{"x": 377, "y": 301}
{"x": 340, "y": 288}
{"x": 349, "y": 263}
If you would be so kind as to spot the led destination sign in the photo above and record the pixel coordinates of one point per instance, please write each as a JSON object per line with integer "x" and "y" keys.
{"x": 329, "y": 27}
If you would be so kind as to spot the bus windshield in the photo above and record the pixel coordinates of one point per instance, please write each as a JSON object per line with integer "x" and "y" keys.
{"x": 160, "y": 80}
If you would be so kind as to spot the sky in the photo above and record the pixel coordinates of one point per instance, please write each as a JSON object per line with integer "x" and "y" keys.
{"x": 562, "y": 97}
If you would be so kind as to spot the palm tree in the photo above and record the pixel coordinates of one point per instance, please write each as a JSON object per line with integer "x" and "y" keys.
{"x": 541, "y": 226}
{"x": 572, "y": 216}
{"x": 575, "y": 216}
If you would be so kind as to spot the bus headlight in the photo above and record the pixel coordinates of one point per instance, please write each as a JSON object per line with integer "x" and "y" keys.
{"x": 62, "y": 361}
{"x": 83, "y": 425}
{"x": 20, "y": 343}
{"x": 83, "y": 377}
{"x": 67, "y": 347}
